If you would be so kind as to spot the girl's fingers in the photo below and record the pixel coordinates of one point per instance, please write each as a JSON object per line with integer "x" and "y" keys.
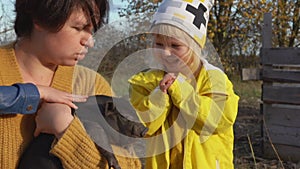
{"x": 171, "y": 75}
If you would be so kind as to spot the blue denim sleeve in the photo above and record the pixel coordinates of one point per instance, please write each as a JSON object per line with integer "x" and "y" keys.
{"x": 19, "y": 98}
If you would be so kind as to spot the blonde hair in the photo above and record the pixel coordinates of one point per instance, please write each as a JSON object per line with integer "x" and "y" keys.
{"x": 195, "y": 50}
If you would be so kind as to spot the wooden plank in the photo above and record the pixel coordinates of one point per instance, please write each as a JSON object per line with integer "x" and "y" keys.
{"x": 286, "y": 153}
{"x": 283, "y": 134}
{"x": 281, "y": 94}
{"x": 282, "y": 115}
{"x": 250, "y": 74}
{"x": 280, "y": 56}
{"x": 276, "y": 75}
{"x": 267, "y": 31}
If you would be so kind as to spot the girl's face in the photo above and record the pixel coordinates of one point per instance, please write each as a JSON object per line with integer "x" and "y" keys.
{"x": 175, "y": 55}
{"x": 67, "y": 46}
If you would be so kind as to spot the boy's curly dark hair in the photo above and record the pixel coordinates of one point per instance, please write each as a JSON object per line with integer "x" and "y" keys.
{"x": 52, "y": 14}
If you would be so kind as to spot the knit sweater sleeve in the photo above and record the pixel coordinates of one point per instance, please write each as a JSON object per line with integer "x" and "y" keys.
{"x": 76, "y": 149}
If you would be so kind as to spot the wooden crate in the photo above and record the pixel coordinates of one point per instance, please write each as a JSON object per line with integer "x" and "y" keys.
{"x": 281, "y": 98}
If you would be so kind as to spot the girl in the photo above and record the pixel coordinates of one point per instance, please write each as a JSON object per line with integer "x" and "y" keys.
{"x": 188, "y": 105}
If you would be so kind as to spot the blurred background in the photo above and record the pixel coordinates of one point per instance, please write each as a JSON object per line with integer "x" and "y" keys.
{"x": 235, "y": 30}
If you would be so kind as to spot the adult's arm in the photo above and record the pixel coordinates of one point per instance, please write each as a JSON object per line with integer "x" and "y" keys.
{"x": 19, "y": 98}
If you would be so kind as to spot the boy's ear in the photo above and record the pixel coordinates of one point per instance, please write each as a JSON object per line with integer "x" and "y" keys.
{"x": 37, "y": 26}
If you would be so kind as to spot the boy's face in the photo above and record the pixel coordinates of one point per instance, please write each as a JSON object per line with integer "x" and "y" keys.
{"x": 173, "y": 54}
{"x": 67, "y": 46}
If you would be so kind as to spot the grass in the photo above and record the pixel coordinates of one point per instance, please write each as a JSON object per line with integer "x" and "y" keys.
{"x": 248, "y": 91}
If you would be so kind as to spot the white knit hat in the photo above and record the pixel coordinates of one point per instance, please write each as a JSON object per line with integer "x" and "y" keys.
{"x": 189, "y": 15}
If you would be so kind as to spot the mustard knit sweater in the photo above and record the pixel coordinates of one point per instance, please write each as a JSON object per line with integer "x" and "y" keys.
{"x": 75, "y": 149}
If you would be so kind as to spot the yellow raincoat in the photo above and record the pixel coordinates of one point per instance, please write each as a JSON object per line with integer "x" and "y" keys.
{"x": 191, "y": 127}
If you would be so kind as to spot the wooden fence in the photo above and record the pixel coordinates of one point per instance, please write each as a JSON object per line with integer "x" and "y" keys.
{"x": 280, "y": 74}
